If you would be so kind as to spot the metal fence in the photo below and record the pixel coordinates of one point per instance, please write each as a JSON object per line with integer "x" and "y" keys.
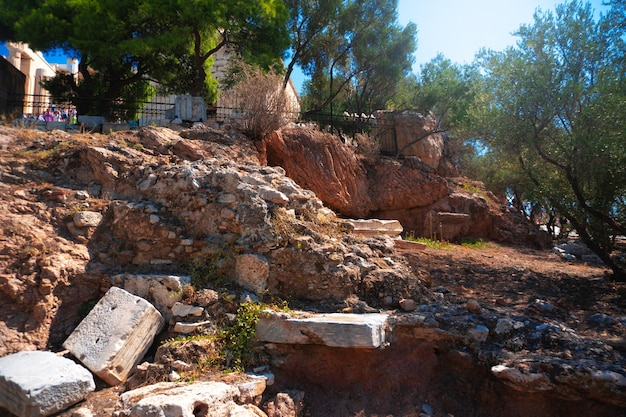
{"x": 383, "y": 129}
{"x": 159, "y": 111}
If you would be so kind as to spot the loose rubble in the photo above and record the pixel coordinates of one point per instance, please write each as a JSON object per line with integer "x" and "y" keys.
{"x": 157, "y": 239}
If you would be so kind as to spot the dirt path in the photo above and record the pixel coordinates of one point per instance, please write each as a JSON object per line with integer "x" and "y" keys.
{"x": 534, "y": 282}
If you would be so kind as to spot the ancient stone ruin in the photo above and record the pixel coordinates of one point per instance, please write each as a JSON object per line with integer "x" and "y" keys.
{"x": 243, "y": 222}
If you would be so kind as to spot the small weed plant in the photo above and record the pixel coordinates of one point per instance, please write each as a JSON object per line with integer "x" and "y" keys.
{"x": 467, "y": 242}
{"x": 237, "y": 341}
{"x": 431, "y": 243}
{"x": 476, "y": 243}
{"x": 210, "y": 270}
{"x": 230, "y": 348}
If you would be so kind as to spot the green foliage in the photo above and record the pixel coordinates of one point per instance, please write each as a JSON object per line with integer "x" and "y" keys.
{"x": 431, "y": 243}
{"x": 237, "y": 341}
{"x": 448, "y": 91}
{"x": 122, "y": 45}
{"x": 355, "y": 55}
{"x": 553, "y": 110}
{"x": 230, "y": 348}
{"x": 475, "y": 243}
{"x": 211, "y": 270}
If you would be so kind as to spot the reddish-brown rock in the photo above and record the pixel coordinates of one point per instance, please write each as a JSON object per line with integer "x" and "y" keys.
{"x": 321, "y": 163}
{"x": 410, "y": 134}
{"x": 408, "y": 189}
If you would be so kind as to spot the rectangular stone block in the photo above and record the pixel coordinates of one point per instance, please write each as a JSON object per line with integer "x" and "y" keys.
{"x": 335, "y": 330}
{"x": 374, "y": 227}
{"x": 35, "y": 383}
{"x": 115, "y": 335}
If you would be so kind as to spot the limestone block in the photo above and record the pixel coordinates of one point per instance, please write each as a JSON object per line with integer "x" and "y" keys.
{"x": 190, "y": 108}
{"x": 252, "y": 272}
{"x": 335, "y": 329}
{"x": 408, "y": 244}
{"x": 87, "y": 218}
{"x": 115, "y": 335}
{"x": 35, "y": 383}
{"x": 374, "y": 227}
{"x": 162, "y": 291}
{"x": 212, "y": 398}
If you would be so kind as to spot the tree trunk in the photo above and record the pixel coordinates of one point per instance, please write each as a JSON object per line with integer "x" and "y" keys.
{"x": 619, "y": 273}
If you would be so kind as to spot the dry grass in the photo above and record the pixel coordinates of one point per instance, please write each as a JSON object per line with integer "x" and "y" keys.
{"x": 264, "y": 104}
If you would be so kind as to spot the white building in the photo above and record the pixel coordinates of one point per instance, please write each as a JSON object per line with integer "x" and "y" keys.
{"x": 37, "y": 99}
{"x": 36, "y": 69}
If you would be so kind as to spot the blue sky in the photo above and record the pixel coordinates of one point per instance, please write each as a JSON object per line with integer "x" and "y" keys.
{"x": 456, "y": 28}
{"x": 459, "y": 28}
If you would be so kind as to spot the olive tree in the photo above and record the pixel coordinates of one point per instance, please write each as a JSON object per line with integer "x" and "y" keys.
{"x": 556, "y": 104}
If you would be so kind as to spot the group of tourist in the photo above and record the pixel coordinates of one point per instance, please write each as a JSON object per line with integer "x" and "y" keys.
{"x": 55, "y": 115}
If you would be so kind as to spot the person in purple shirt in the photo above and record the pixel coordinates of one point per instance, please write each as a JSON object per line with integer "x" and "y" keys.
{"x": 48, "y": 116}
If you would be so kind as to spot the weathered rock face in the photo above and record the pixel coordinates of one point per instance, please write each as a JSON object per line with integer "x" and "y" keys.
{"x": 43, "y": 283}
{"x": 410, "y": 131}
{"x": 254, "y": 226}
{"x": 428, "y": 367}
{"x": 409, "y": 189}
{"x": 324, "y": 165}
{"x": 246, "y": 223}
{"x": 140, "y": 205}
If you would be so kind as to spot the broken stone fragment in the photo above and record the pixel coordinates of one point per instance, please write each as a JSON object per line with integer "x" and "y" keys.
{"x": 478, "y": 333}
{"x": 408, "y": 304}
{"x": 290, "y": 403}
{"x": 35, "y": 383}
{"x": 162, "y": 291}
{"x": 115, "y": 335}
{"x": 252, "y": 272}
{"x": 473, "y": 306}
{"x": 522, "y": 381}
{"x": 184, "y": 310}
{"x": 273, "y": 196}
{"x": 87, "y": 219}
{"x": 213, "y": 398}
{"x": 186, "y": 328}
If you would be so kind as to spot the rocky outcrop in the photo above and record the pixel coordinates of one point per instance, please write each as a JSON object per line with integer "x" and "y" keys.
{"x": 325, "y": 165}
{"x": 163, "y": 214}
{"x": 410, "y": 133}
{"x": 408, "y": 189}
